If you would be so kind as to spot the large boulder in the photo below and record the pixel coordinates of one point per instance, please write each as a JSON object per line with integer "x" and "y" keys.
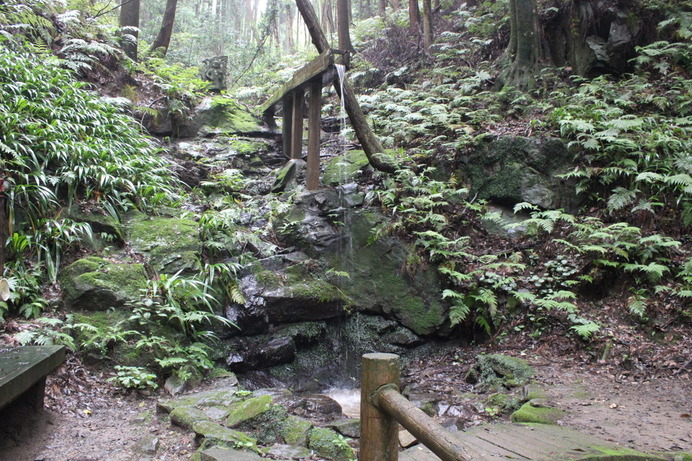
{"x": 513, "y": 169}
{"x": 170, "y": 245}
{"x": 95, "y": 283}
{"x": 220, "y": 115}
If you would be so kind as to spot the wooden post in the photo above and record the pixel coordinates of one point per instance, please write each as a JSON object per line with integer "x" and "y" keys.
{"x": 379, "y": 433}
{"x": 426, "y": 430}
{"x": 297, "y": 126}
{"x": 287, "y": 124}
{"x": 314, "y": 128}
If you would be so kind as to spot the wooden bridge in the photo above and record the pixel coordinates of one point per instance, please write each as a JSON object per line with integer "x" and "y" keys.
{"x": 383, "y": 408}
{"x": 290, "y": 99}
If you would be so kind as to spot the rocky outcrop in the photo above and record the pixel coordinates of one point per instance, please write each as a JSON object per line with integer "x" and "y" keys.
{"x": 95, "y": 283}
{"x": 514, "y": 169}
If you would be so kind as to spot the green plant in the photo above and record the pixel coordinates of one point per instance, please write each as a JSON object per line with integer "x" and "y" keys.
{"x": 49, "y": 333}
{"x": 133, "y": 378}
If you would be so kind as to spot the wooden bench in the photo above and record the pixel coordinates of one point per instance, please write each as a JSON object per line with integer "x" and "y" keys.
{"x": 23, "y": 372}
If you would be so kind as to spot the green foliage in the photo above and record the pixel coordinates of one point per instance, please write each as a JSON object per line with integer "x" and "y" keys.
{"x": 133, "y": 378}
{"x": 46, "y": 332}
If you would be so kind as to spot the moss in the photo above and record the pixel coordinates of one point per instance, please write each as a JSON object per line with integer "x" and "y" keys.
{"x": 172, "y": 245}
{"x": 494, "y": 370}
{"x": 186, "y": 417}
{"x": 216, "y": 435}
{"x": 229, "y": 116}
{"x": 248, "y": 409}
{"x": 97, "y": 284}
{"x": 528, "y": 413}
{"x": 326, "y": 442}
{"x": 266, "y": 426}
{"x": 295, "y": 431}
{"x": 609, "y": 453}
{"x": 344, "y": 169}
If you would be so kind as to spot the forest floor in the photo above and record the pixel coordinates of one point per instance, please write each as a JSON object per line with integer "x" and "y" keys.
{"x": 643, "y": 408}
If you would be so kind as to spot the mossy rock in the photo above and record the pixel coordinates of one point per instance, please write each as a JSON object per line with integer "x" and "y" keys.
{"x": 227, "y": 116}
{"x": 94, "y": 283}
{"x": 214, "y": 398}
{"x": 539, "y": 414}
{"x": 345, "y": 168}
{"x": 215, "y": 434}
{"x": 295, "y": 431}
{"x": 266, "y": 426}
{"x": 248, "y": 409}
{"x": 495, "y": 370}
{"x": 186, "y": 417}
{"x": 327, "y": 443}
{"x": 171, "y": 245}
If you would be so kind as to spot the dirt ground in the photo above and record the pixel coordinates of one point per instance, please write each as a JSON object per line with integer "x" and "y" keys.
{"x": 87, "y": 420}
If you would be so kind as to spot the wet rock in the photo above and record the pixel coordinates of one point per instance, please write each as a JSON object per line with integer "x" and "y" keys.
{"x": 295, "y": 431}
{"x": 346, "y": 168}
{"x": 262, "y": 352}
{"x": 248, "y": 409}
{"x": 291, "y": 174}
{"x": 315, "y": 406}
{"x": 94, "y": 283}
{"x": 349, "y": 427}
{"x": 326, "y": 442}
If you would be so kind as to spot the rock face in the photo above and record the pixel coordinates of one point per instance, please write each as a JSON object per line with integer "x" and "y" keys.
{"x": 512, "y": 169}
{"x": 350, "y": 292}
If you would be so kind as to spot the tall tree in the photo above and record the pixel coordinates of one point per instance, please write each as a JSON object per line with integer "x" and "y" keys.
{"x": 382, "y": 8}
{"x": 344, "y": 15}
{"x": 163, "y": 38}
{"x": 371, "y": 145}
{"x": 129, "y": 17}
{"x": 524, "y": 44}
{"x": 414, "y": 16}
{"x": 427, "y": 25}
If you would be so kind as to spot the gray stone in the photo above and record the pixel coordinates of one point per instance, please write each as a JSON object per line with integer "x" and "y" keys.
{"x": 186, "y": 417}
{"x": 147, "y": 445}
{"x": 290, "y": 174}
{"x": 215, "y": 434}
{"x": 228, "y": 454}
{"x": 281, "y": 451}
{"x": 349, "y": 427}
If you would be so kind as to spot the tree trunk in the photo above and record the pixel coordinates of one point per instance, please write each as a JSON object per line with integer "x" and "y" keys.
{"x": 414, "y": 17}
{"x": 129, "y": 17}
{"x": 343, "y": 7}
{"x": 395, "y": 5}
{"x": 371, "y": 145}
{"x": 382, "y": 8}
{"x": 524, "y": 44}
{"x": 427, "y": 25}
{"x": 163, "y": 39}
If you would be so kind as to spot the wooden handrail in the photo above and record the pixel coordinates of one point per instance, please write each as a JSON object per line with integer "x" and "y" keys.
{"x": 382, "y": 406}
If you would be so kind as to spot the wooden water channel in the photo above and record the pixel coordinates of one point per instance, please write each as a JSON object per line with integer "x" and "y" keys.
{"x": 383, "y": 408}
{"x": 290, "y": 99}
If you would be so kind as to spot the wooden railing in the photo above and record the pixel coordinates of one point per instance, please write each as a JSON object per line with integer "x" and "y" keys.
{"x": 383, "y": 408}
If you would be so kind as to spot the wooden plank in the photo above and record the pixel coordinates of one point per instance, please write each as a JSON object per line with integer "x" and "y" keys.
{"x": 287, "y": 124}
{"x": 25, "y": 367}
{"x": 314, "y": 130}
{"x": 489, "y": 450}
{"x": 301, "y": 78}
{"x": 297, "y": 125}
